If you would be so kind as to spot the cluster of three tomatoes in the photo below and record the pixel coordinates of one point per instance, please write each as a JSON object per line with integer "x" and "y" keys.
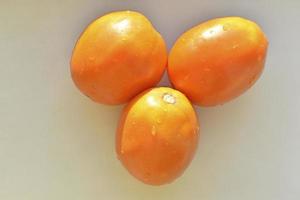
{"x": 120, "y": 57}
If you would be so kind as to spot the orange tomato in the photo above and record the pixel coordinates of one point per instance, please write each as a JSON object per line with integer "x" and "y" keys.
{"x": 217, "y": 60}
{"x": 157, "y": 135}
{"x": 118, "y": 56}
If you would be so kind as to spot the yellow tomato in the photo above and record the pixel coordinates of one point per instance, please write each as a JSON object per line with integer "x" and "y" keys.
{"x": 217, "y": 60}
{"x": 157, "y": 135}
{"x": 118, "y": 56}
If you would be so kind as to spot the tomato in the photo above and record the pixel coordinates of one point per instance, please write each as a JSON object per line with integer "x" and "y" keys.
{"x": 218, "y": 60}
{"x": 118, "y": 56}
{"x": 157, "y": 135}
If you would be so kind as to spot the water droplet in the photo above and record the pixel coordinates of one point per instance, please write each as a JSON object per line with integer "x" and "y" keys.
{"x": 92, "y": 58}
{"x": 81, "y": 71}
{"x": 252, "y": 80}
{"x": 197, "y": 130}
{"x": 186, "y": 77}
{"x": 226, "y": 27}
{"x": 259, "y": 58}
{"x": 153, "y": 131}
{"x": 158, "y": 121}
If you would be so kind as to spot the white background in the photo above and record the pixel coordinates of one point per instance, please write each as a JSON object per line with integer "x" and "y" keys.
{"x": 57, "y": 144}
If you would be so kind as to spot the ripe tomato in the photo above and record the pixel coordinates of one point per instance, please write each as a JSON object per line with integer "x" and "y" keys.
{"x": 118, "y": 56}
{"x": 217, "y": 60}
{"x": 157, "y": 135}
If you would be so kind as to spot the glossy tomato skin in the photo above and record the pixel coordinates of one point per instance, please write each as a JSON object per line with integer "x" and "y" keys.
{"x": 218, "y": 60}
{"x": 157, "y": 135}
{"x": 118, "y": 56}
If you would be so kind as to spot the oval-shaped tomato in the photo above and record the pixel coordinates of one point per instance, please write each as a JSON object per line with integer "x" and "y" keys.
{"x": 217, "y": 60}
{"x": 118, "y": 56}
{"x": 157, "y": 135}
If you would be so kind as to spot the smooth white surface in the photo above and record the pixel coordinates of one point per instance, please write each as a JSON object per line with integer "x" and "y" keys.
{"x": 57, "y": 144}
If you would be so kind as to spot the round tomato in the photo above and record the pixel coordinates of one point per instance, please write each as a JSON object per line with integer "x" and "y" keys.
{"x": 217, "y": 60}
{"x": 118, "y": 56}
{"x": 157, "y": 135}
